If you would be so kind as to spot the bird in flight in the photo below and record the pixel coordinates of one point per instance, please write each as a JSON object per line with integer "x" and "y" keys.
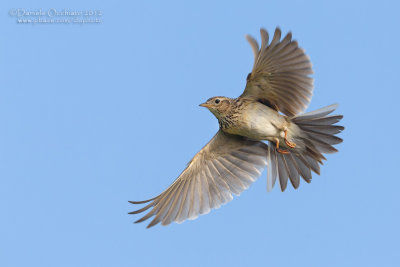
{"x": 278, "y": 89}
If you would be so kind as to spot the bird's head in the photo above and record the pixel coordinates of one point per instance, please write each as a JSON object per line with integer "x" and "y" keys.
{"x": 218, "y": 105}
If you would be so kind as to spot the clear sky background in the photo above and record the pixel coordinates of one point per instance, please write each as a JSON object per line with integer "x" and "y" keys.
{"x": 92, "y": 116}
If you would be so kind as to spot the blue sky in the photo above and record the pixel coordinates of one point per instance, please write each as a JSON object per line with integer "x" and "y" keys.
{"x": 95, "y": 115}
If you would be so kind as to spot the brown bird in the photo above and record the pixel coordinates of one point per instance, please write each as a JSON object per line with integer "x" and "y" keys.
{"x": 277, "y": 90}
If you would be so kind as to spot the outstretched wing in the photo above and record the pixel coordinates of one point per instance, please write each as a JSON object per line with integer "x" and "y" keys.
{"x": 227, "y": 165}
{"x": 280, "y": 75}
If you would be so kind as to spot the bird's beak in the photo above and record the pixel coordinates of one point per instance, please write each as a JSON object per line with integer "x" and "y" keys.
{"x": 205, "y": 105}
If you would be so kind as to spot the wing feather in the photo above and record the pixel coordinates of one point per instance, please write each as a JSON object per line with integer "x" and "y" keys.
{"x": 280, "y": 74}
{"x": 227, "y": 165}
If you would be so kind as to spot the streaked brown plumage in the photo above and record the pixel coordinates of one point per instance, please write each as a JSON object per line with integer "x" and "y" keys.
{"x": 277, "y": 90}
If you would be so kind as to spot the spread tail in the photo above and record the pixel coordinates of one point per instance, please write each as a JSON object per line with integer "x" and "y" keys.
{"x": 317, "y": 137}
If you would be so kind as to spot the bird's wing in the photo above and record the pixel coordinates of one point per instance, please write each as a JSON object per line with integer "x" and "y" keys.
{"x": 227, "y": 165}
{"x": 280, "y": 75}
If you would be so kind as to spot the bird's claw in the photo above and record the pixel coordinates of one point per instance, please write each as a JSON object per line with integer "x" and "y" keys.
{"x": 287, "y": 142}
{"x": 282, "y": 151}
{"x": 290, "y": 144}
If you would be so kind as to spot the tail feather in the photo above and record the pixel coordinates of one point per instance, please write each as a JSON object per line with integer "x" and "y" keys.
{"x": 317, "y": 114}
{"x": 332, "y": 129}
{"x": 319, "y": 122}
{"x": 312, "y": 163}
{"x": 324, "y": 138}
{"x": 317, "y": 137}
{"x": 282, "y": 172}
{"x": 323, "y": 147}
{"x": 294, "y": 175}
{"x": 272, "y": 170}
{"x": 303, "y": 169}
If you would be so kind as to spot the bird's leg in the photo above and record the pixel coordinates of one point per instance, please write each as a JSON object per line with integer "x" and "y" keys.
{"x": 290, "y": 144}
{"x": 282, "y": 151}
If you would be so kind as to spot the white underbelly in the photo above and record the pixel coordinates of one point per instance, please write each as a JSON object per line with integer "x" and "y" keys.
{"x": 263, "y": 123}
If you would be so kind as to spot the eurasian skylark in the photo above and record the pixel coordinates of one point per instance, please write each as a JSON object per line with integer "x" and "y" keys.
{"x": 277, "y": 90}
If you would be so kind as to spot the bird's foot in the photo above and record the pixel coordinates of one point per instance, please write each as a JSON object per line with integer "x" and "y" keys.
{"x": 282, "y": 151}
{"x": 290, "y": 144}
{"x": 287, "y": 142}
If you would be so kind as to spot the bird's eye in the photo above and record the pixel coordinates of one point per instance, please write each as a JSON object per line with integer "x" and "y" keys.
{"x": 217, "y": 101}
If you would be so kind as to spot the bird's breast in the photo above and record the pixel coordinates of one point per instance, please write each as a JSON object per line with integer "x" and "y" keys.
{"x": 255, "y": 121}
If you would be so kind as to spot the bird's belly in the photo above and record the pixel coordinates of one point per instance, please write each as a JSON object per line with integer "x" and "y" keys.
{"x": 261, "y": 123}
